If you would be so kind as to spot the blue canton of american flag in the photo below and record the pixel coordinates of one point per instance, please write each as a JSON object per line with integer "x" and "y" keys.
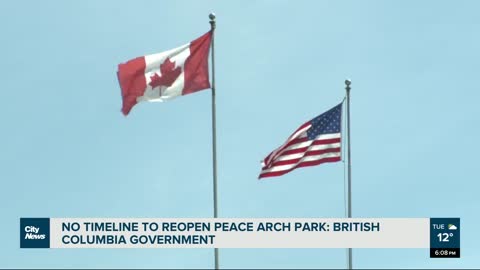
{"x": 315, "y": 142}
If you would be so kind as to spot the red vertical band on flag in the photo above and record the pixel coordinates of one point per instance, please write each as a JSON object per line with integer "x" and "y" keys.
{"x": 196, "y": 65}
{"x": 131, "y": 76}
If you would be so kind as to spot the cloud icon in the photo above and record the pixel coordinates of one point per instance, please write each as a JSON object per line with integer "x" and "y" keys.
{"x": 452, "y": 227}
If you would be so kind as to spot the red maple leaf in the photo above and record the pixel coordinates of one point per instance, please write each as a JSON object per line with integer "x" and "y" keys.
{"x": 169, "y": 74}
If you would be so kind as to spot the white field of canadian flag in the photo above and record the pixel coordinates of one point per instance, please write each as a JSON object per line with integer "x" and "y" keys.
{"x": 166, "y": 75}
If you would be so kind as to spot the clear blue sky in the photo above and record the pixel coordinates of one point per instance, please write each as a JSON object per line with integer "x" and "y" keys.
{"x": 67, "y": 151}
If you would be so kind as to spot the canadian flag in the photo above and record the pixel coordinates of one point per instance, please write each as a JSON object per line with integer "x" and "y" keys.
{"x": 165, "y": 75}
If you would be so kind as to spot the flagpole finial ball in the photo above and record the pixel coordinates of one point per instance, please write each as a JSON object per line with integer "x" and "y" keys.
{"x": 348, "y": 82}
{"x": 211, "y": 16}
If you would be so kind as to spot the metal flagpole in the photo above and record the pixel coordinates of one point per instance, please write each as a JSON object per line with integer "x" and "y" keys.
{"x": 214, "y": 130}
{"x": 349, "y": 168}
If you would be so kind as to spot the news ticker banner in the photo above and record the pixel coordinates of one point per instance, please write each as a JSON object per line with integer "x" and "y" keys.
{"x": 441, "y": 235}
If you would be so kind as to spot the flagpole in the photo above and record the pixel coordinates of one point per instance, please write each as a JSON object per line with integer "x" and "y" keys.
{"x": 349, "y": 168}
{"x": 214, "y": 130}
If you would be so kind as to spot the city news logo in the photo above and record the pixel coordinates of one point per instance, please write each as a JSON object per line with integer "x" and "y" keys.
{"x": 34, "y": 233}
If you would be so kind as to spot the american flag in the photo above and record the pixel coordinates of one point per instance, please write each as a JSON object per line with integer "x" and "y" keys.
{"x": 315, "y": 142}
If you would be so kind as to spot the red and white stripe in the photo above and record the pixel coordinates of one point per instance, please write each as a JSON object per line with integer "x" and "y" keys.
{"x": 298, "y": 151}
{"x": 135, "y": 76}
